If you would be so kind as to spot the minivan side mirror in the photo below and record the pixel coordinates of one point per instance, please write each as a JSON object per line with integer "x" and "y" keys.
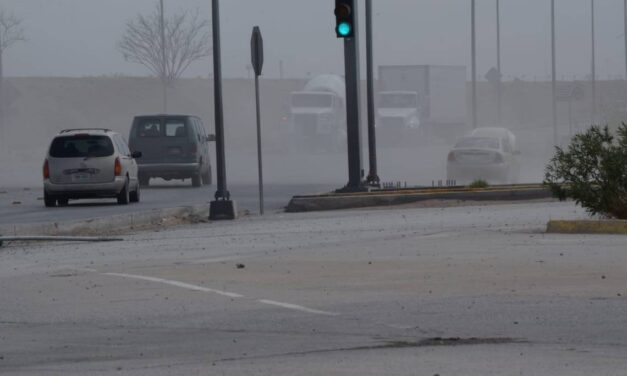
{"x": 211, "y": 138}
{"x": 136, "y": 154}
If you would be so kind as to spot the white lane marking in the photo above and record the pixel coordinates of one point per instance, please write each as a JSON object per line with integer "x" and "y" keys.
{"x": 216, "y": 260}
{"x": 177, "y": 284}
{"x": 297, "y": 307}
{"x": 219, "y": 292}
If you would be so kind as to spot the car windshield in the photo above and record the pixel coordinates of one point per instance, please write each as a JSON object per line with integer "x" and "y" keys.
{"x": 397, "y": 101}
{"x": 478, "y": 142}
{"x": 312, "y": 100}
{"x": 81, "y": 146}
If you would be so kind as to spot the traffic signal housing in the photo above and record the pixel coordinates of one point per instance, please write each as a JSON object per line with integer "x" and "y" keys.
{"x": 345, "y": 18}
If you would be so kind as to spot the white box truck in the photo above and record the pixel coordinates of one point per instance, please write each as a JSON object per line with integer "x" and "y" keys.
{"x": 431, "y": 98}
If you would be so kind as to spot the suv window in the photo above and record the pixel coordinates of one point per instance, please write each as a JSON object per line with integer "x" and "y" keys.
{"x": 81, "y": 146}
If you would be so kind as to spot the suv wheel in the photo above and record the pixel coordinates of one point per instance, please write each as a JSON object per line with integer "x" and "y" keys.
{"x": 50, "y": 202}
{"x": 124, "y": 196}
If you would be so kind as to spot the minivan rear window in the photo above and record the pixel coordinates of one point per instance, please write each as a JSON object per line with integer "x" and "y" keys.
{"x": 154, "y": 128}
{"x": 81, "y": 146}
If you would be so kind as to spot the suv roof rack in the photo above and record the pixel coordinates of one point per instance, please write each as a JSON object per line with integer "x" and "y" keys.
{"x": 86, "y": 129}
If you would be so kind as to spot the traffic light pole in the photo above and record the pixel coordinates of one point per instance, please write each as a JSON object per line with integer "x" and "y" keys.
{"x": 351, "y": 66}
{"x": 222, "y": 207}
{"x": 373, "y": 177}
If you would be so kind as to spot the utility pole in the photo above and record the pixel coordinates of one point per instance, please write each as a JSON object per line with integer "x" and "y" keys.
{"x": 223, "y": 207}
{"x": 164, "y": 64}
{"x": 498, "y": 62}
{"x": 373, "y": 177}
{"x": 553, "y": 74}
{"x": 474, "y": 65}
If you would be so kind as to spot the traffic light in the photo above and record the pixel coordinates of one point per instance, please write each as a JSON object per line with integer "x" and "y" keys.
{"x": 344, "y": 18}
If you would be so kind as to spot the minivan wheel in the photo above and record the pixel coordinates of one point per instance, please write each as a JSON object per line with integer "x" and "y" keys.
{"x": 135, "y": 195}
{"x": 196, "y": 180}
{"x": 124, "y": 196}
{"x": 49, "y": 201}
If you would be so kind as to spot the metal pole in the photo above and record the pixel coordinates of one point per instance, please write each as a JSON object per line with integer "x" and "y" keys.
{"x": 474, "y": 66}
{"x": 259, "y": 160}
{"x": 498, "y": 61}
{"x": 222, "y": 192}
{"x": 164, "y": 65}
{"x": 553, "y": 74}
{"x": 594, "y": 68}
{"x": 351, "y": 66}
{"x": 223, "y": 207}
{"x": 373, "y": 177}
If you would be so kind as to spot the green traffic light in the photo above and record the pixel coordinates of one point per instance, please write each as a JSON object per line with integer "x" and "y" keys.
{"x": 344, "y": 29}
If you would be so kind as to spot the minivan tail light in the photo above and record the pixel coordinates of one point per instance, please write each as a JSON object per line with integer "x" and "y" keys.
{"x": 46, "y": 170}
{"x": 194, "y": 150}
{"x": 117, "y": 169}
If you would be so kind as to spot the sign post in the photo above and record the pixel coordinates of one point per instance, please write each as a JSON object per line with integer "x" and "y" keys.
{"x": 256, "y": 48}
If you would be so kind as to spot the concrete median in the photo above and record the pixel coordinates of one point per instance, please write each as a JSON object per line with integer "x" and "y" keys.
{"x": 617, "y": 227}
{"x": 338, "y": 201}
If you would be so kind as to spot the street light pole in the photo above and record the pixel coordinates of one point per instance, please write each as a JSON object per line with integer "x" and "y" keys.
{"x": 625, "y": 36}
{"x": 498, "y": 61}
{"x": 474, "y": 65}
{"x": 222, "y": 207}
{"x": 553, "y": 74}
{"x": 594, "y": 71}
{"x": 164, "y": 67}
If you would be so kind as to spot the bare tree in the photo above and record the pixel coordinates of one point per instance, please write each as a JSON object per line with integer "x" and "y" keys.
{"x": 167, "y": 46}
{"x": 11, "y": 32}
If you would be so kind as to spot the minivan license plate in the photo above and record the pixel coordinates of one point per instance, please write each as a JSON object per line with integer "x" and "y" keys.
{"x": 80, "y": 178}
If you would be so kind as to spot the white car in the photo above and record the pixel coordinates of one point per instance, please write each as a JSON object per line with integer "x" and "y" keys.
{"x": 489, "y": 154}
{"x": 90, "y": 163}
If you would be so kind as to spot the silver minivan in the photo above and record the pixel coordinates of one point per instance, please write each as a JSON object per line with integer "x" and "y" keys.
{"x": 90, "y": 163}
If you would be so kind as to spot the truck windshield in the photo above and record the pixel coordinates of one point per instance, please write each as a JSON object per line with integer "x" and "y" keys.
{"x": 397, "y": 101}
{"x": 312, "y": 100}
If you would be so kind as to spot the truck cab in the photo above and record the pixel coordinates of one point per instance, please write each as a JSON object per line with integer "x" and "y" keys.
{"x": 398, "y": 110}
{"x": 318, "y": 115}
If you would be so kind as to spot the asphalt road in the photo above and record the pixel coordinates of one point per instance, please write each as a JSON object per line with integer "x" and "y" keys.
{"x": 449, "y": 291}
{"x": 25, "y": 205}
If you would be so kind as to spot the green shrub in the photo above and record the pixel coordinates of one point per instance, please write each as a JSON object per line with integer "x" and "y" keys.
{"x": 592, "y": 171}
{"x": 479, "y": 183}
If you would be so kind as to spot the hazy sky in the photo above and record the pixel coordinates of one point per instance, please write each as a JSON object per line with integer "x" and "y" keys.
{"x": 78, "y": 37}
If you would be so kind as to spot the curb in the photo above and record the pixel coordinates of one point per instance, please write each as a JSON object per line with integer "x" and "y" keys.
{"x": 386, "y": 198}
{"x": 114, "y": 224}
{"x": 612, "y": 227}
